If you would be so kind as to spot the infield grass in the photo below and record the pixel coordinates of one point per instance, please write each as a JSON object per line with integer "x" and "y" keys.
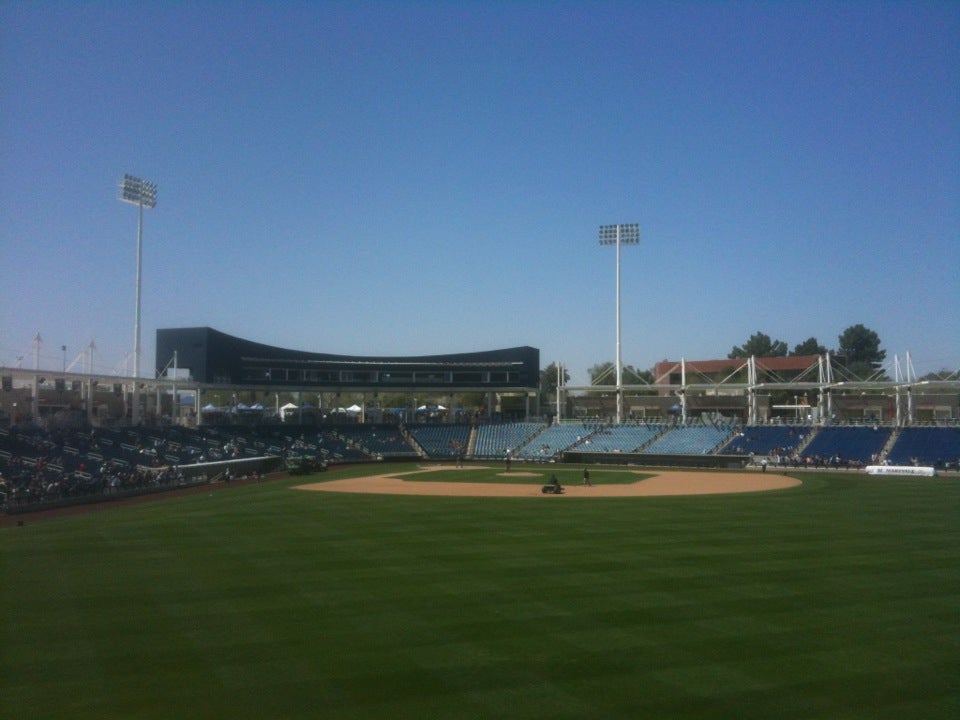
{"x": 835, "y": 599}
{"x": 527, "y": 474}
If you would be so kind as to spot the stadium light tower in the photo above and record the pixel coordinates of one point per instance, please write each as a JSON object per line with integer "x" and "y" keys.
{"x": 143, "y": 194}
{"x": 619, "y": 235}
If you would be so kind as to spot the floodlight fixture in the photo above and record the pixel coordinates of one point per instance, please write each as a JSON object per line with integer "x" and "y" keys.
{"x": 138, "y": 192}
{"x": 627, "y": 234}
{"x": 617, "y": 235}
{"x": 143, "y": 194}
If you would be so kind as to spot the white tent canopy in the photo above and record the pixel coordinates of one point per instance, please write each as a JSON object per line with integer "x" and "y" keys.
{"x": 286, "y": 410}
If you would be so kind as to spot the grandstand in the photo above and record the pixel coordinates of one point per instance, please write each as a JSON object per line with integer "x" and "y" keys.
{"x": 840, "y": 446}
{"x": 438, "y": 441}
{"x": 39, "y": 467}
{"x": 690, "y": 440}
{"x": 622, "y": 438}
{"x": 500, "y": 439}
{"x": 554, "y": 440}
{"x": 375, "y": 441}
{"x": 938, "y": 447}
{"x": 767, "y": 440}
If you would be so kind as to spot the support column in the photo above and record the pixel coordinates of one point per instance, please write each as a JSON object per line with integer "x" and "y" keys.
{"x": 35, "y": 403}
{"x": 683, "y": 390}
{"x": 88, "y": 389}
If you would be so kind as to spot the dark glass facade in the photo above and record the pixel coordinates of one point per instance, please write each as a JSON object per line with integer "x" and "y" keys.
{"x": 213, "y": 357}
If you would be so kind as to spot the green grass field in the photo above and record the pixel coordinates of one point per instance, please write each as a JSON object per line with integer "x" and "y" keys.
{"x": 837, "y": 599}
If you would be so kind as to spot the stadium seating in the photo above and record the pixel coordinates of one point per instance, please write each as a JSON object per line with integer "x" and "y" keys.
{"x": 494, "y": 441}
{"x": 40, "y": 466}
{"x": 689, "y": 440}
{"x": 935, "y": 446}
{"x": 621, "y": 438}
{"x": 442, "y": 441}
{"x": 334, "y": 448}
{"x": 553, "y": 440}
{"x": 766, "y": 440}
{"x": 843, "y": 445}
{"x": 378, "y": 441}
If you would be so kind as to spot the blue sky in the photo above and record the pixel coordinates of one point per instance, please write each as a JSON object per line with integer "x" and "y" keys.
{"x": 415, "y": 178}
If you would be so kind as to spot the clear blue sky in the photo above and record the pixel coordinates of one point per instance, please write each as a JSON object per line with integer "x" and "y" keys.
{"x": 415, "y": 178}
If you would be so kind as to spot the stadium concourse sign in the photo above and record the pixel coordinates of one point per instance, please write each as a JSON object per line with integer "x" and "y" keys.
{"x": 911, "y": 470}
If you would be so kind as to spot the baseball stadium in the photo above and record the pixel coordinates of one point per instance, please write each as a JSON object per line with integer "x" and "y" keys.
{"x": 263, "y": 532}
{"x": 353, "y": 461}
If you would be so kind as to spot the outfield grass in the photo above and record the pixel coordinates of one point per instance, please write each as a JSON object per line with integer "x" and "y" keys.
{"x": 836, "y": 599}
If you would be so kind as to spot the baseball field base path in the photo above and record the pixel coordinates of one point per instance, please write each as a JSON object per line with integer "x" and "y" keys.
{"x": 672, "y": 482}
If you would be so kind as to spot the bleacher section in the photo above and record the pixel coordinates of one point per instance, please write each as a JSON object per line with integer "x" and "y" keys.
{"x": 842, "y": 445}
{"x": 376, "y": 441}
{"x": 334, "y": 448}
{"x": 621, "y": 438}
{"x": 766, "y": 440}
{"x": 553, "y": 440}
{"x": 938, "y": 447}
{"x": 494, "y": 441}
{"x": 689, "y": 440}
{"x": 442, "y": 441}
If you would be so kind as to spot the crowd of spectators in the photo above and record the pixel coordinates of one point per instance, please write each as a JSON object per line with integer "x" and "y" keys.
{"x": 798, "y": 461}
{"x": 39, "y": 482}
{"x": 43, "y": 467}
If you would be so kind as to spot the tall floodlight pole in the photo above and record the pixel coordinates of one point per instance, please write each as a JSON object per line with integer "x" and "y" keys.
{"x": 619, "y": 235}
{"x": 143, "y": 194}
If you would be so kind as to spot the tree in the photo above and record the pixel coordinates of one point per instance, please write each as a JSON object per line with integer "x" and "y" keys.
{"x": 810, "y": 346}
{"x": 548, "y": 379}
{"x": 861, "y": 345}
{"x": 603, "y": 374}
{"x": 638, "y": 377}
{"x": 760, "y": 345}
{"x": 606, "y": 374}
{"x": 943, "y": 374}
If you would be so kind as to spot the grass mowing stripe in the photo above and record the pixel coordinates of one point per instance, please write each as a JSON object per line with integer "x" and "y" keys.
{"x": 833, "y": 599}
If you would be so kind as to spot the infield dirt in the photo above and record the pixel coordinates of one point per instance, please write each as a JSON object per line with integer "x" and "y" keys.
{"x": 672, "y": 482}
